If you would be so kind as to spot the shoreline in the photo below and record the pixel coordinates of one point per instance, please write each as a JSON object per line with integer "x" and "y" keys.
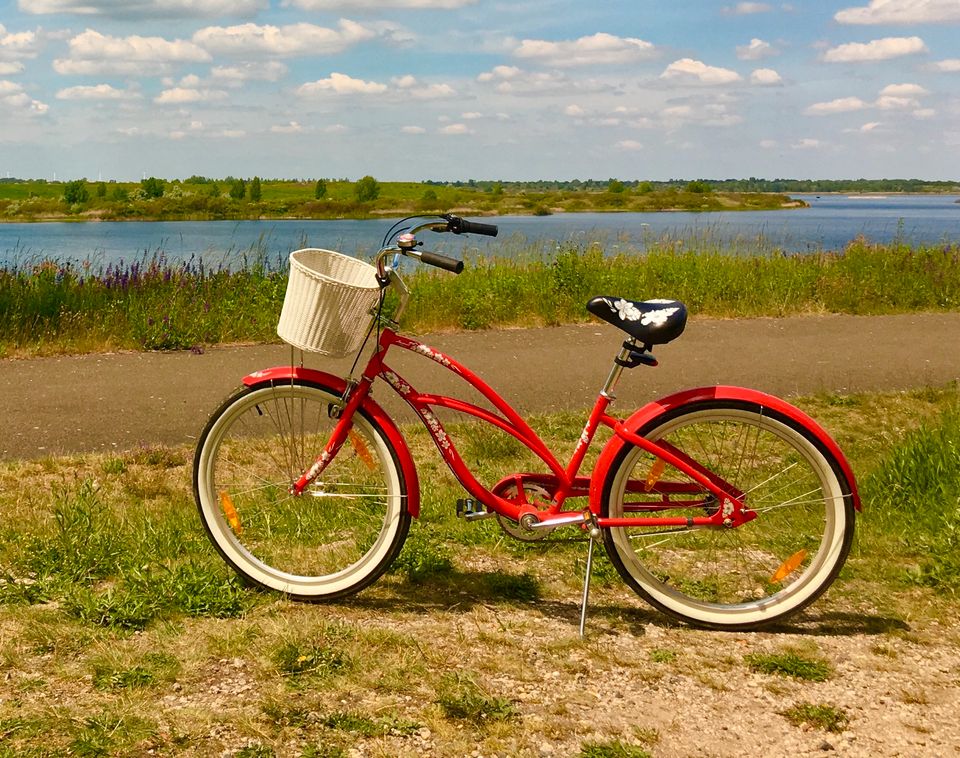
{"x": 797, "y": 204}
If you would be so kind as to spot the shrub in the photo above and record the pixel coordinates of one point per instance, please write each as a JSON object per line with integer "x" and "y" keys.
{"x": 367, "y": 189}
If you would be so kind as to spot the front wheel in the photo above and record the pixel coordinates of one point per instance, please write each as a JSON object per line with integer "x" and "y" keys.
{"x": 730, "y": 578}
{"x": 334, "y": 539}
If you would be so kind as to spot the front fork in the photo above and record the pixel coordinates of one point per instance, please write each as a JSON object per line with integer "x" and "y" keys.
{"x": 353, "y": 396}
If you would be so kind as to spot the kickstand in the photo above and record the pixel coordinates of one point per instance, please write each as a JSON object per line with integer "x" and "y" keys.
{"x": 586, "y": 587}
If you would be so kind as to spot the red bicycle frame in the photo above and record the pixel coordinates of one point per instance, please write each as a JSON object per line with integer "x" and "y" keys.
{"x": 562, "y": 482}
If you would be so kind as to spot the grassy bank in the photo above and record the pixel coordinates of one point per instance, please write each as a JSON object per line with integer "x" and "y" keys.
{"x": 151, "y": 304}
{"x": 201, "y": 198}
{"x": 124, "y": 634}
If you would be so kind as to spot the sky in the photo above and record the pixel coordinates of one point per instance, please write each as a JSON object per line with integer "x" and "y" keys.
{"x": 479, "y": 89}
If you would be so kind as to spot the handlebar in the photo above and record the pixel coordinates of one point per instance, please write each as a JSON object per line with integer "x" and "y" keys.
{"x": 458, "y": 225}
{"x": 405, "y": 243}
{"x": 442, "y": 261}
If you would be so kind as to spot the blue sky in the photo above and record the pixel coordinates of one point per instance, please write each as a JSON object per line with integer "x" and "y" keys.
{"x": 485, "y": 89}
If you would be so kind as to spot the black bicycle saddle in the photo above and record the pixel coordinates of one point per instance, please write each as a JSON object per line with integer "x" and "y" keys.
{"x": 652, "y": 322}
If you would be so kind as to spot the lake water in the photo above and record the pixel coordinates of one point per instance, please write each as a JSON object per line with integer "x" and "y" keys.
{"x": 829, "y": 223}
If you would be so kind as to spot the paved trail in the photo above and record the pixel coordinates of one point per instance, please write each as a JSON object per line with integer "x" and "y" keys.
{"x": 119, "y": 401}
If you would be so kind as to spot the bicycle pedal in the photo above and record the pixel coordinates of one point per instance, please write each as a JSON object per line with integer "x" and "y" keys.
{"x": 470, "y": 510}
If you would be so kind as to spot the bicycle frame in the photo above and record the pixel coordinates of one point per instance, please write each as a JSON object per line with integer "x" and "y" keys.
{"x": 564, "y": 481}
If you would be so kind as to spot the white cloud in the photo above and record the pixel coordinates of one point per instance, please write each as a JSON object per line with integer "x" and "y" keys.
{"x": 574, "y": 110}
{"x": 471, "y": 115}
{"x": 892, "y": 97}
{"x": 94, "y": 53}
{"x": 454, "y": 129}
{"x": 419, "y": 91}
{"x": 13, "y": 67}
{"x": 145, "y": 8}
{"x": 756, "y": 50}
{"x": 876, "y": 50}
{"x": 689, "y": 70}
{"x": 268, "y": 71}
{"x": 336, "y": 129}
{"x": 293, "y": 127}
{"x": 351, "y": 5}
{"x": 629, "y": 144}
{"x": 807, "y": 143}
{"x": 746, "y": 9}
{"x": 94, "y": 92}
{"x": 840, "y": 105}
{"x": 769, "y": 144}
{"x": 709, "y": 114}
{"x": 765, "y": 77}
{"x": 294, "y": 39}
{"x": 511, "y": 80}
{"x": 413, "y": 130}
{"x": 341, "y": 84}
{"x": 904, "y": 90}
{"x": 14, "y": 45}
{"x": 499, "y": 73}
{"x": 888, "y": 103}
{"x": 597, "y": 49}
{"x": 902, "y": 12}
{"x": 924, "y": 113}
{"x": 14, "y": 100}
{"x": 866, "y": 128}
{"x": 180, "y": 95}
{"x": 950, "y": 65}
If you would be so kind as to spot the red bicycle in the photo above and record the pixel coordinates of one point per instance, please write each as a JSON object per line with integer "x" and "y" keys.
{"x": 721, "y": 506}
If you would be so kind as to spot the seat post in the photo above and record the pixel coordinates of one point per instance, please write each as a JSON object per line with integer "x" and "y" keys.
{"x": 617, "y": 369}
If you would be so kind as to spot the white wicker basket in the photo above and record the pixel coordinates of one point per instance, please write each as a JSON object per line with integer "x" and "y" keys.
{"x": 329, "y": 302}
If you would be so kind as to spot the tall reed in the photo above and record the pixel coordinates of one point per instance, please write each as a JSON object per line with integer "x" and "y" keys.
{"x": 151, "y": 303}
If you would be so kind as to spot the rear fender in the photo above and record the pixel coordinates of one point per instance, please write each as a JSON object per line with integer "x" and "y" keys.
{"x": 652, "y": 410}
{"x": 369, "y": 406}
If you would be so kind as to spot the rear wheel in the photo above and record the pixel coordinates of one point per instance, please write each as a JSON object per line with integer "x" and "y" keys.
{"x": 334, "y": 539}
{"x": 730, "y": 578}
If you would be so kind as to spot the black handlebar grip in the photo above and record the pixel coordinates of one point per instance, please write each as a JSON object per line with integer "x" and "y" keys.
{"x": 442, "y": 261}
{"x": 472, "y": 227}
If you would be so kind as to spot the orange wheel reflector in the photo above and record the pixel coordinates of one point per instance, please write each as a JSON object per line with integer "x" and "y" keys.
{"x": 788, "y": 567}
{"x": 363, "y": 452}
{"x": 230, "y": 512}
{"x": 656, "y": 471}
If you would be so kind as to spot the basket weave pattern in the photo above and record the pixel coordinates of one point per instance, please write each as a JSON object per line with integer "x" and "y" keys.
{"x": 328, "y": 303}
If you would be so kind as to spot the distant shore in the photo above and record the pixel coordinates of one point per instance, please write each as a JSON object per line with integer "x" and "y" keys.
{"x": 201, "y": 199}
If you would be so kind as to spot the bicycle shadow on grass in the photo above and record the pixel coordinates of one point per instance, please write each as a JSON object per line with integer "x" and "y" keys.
{"x": 460, "y": 592}
{"x": 830, "y": 623}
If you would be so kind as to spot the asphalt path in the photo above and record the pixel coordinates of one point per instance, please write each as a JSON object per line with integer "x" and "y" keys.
{"x": 119, "y": 401}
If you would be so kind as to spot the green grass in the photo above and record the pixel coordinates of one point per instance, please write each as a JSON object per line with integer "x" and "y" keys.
{"x": 612, "y": 749}
{"x": 792, "y": 664}
{"x": 153, "y": 305}
{"x": 822, "y": 716}
{"x": 915, "y": 494}
{"x": 462, "y": 699}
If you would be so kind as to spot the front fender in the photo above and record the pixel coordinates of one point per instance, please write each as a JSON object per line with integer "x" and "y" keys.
{"x": 658, "y": 407}
{"x": 369, "y": 406}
